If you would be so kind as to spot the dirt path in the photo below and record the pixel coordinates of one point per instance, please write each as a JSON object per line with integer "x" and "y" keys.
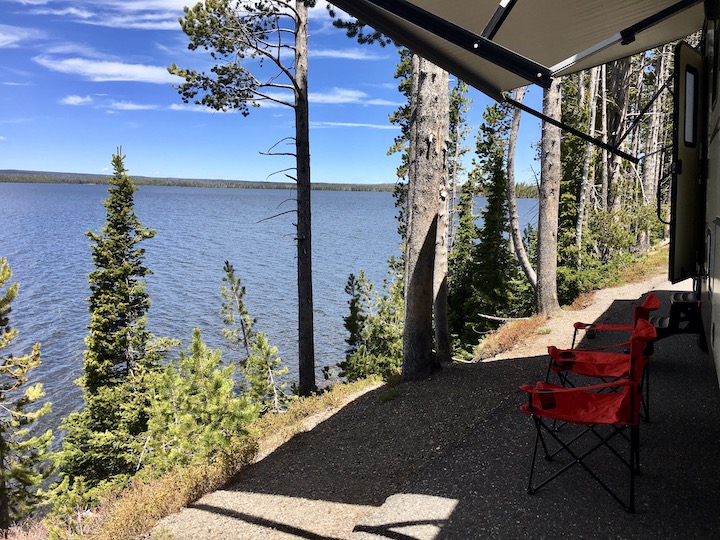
{"x": 323, "y": 482}
{"x": 559, "y": 330}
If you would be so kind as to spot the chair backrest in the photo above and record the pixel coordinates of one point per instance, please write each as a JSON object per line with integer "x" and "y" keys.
{"x": 643, "y": 332}
{"x": 642, "y": 312}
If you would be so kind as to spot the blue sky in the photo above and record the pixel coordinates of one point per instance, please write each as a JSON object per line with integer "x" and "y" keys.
{"x": 80, "y": 78}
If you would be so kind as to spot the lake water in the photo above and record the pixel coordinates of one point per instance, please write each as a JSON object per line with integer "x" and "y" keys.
{"x": 43, "y": 238}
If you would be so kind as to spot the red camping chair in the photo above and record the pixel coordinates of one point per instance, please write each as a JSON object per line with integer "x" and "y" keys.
{"x": 605, "y": 415}
{"x": 651, "y": 303}
{"x": 605, "y": 363}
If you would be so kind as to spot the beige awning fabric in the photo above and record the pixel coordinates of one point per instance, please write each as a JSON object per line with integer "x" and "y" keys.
{"x": 499, "y": 45}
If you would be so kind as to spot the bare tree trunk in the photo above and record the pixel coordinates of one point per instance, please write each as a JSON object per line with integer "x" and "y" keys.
{"x": 453, "y": 197}
{"x": 440, "y": 274}
{"x": 550, "y": 174}
{"x": 427, "y": 168}
{"x": 619, "y": 83}
{"x": 604, "y": 127}
{"x": 516, "y": 240}
{"x": 306, "y": 340}
{"x": 585, "y": 180}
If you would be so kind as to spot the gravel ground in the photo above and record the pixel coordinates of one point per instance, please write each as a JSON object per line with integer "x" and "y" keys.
{"x": 352, "y": 467}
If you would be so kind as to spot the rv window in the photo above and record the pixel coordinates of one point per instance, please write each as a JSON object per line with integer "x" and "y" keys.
{"x": 690, "y": 106}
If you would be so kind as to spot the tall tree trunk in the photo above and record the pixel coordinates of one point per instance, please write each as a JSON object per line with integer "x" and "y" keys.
{"x": 604, "y": 155}
{"x": 5, "y": 521}
{"x": 516, "y": 240}
{"x": 585, "y": 180}
{"x": 440, "y": 275}
{"x": 550, "y": 174}
{"x": 618, "y": 89}
{"x": 306, "y": 339}
{"x": 453, "y": 197}
{"x": 426, "y": 171}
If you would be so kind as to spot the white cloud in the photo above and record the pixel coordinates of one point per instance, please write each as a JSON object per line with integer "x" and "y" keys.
{"x": 139, "y": 14}
{"x": 186, "y": 107}
{"x": 129, "y": 106}
{"x": 13, "y": 36}
{"x": 148, "y": 15}
{"x": 76, "y": 100}
{"x": 352, "y": 125}
{"x": 101, "y": 71}
{"x": 339, "y": 96}
{"x": 383, "y": 102}
{"x": 346, "y": 54}
{"x": 77, "y": 49}
{"x": 68, "y": 11}
{"x": 2, "y": 138}
{"x": 106, "y": 104}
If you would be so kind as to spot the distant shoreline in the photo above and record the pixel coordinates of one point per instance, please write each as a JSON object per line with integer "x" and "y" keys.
{"x": 42, "y": 177}
{"x": 522, "y": 191}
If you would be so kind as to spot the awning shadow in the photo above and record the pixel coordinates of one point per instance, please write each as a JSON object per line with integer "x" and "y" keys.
{"x": 460, "y": 439}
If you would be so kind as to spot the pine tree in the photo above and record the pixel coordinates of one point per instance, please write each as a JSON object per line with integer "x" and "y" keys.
{"x": 263, "y": 370}
{"x": 99, "y": 441}
{"x": 195, "y": 410}
{"x": 462, "y": 297}
{"x": 261, "y": 366}
{"x": 238, "y": 329}
{"x": 375, "y": 327}
{"x": 23, "y": 458}
{"x": 485, "y": 277}
{"x": 358, "y": 289}
{"x": 494, "y": 257}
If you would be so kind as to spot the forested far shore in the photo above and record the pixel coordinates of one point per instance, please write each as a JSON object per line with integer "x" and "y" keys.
{"x": 80, "y": 178}
{"x": 523, "y": 191}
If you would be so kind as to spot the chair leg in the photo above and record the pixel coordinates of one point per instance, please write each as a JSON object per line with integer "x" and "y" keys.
{"x": 534, "y": 456}
{"x": 633, "y": 465}
{"x": 635, "y": 461}
{"x": 646, "y": 393}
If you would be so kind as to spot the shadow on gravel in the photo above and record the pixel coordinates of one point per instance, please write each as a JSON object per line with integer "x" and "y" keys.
{"x": 458, "y": 441}
{"x": 371, "y": 447}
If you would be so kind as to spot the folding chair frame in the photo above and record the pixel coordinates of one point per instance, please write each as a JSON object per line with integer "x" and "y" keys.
{"x": 613, "y": 406}
{"x": 633, "y": 464}
{"x": 651, "y": 303}
{"x": 619, "y": 364}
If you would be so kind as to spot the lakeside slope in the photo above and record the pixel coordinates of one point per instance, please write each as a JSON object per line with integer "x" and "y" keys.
{"x": 447, "y": 457}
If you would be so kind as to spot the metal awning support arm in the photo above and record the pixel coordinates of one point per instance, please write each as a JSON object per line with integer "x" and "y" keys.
{"x": 640, "y": 115}
{"x": 570, "y": 129}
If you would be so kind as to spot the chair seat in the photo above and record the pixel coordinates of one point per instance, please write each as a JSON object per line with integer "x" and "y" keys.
{"x": 604, "y": 327}
{"x": 587, "y": 405}
{"x": 601, "y": 364}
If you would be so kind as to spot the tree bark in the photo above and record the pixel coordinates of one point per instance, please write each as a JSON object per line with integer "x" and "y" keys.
{"x": 585, "y": 180}
{"x": 306, "y": 339}
{"x": 515, "y": 232}
{"x": 427, "y": 168}
{"x": 604, "y": 154}
{"x": 440, "y": 271}
{"x": 618, "y": 89}
{"x": 452, "y": 211}
{"x": 550, "y": 174}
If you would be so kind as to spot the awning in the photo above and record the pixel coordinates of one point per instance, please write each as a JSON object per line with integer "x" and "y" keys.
{"x": 496, "y": 47}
